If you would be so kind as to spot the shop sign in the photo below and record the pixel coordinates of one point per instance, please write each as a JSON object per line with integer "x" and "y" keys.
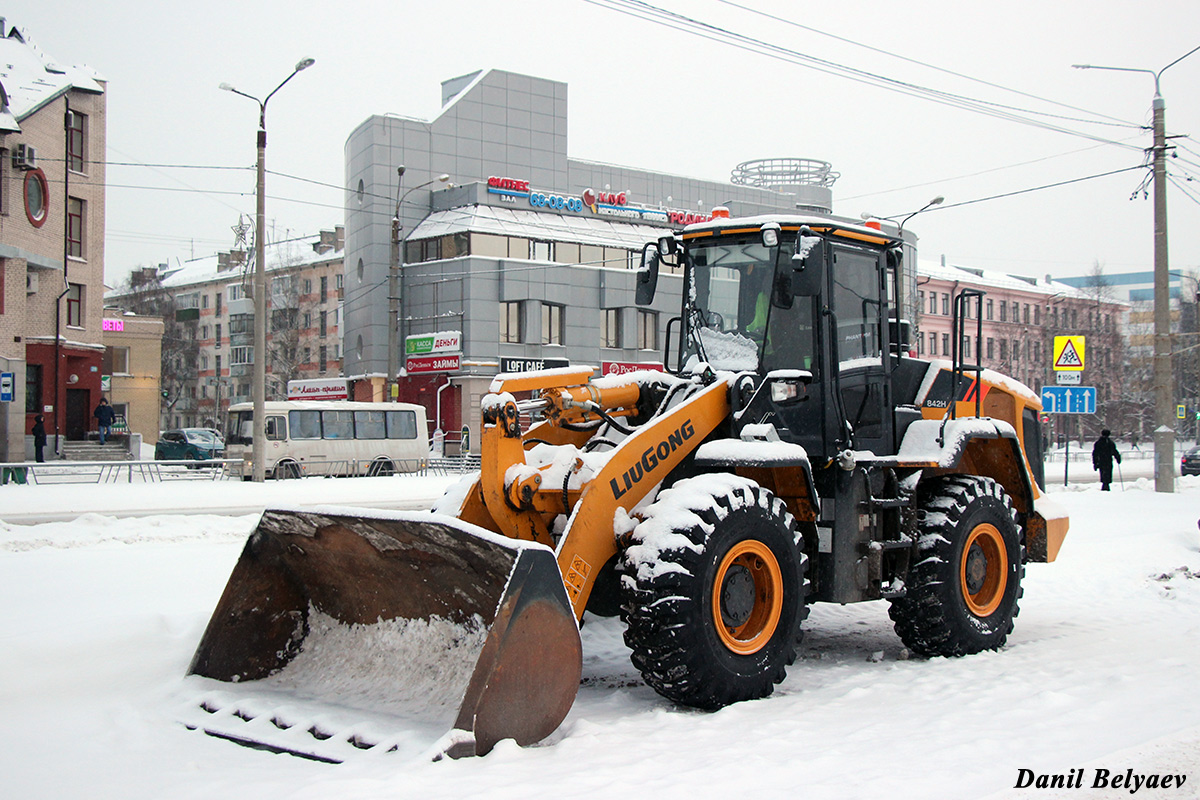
{"x": 532, "y": 364}
{"x": 555, "y": 202}
{"x": 112, "y": 325}
{"x": 626, "y": 367}
{"x": 6, "y": 387}
{"x": 318, "y": 389}
{"x": 687, "y": 217}
{"x": 508, "y": 185}
{"x": 441, "y": 342}
{"x": 592, "y": 198}
{"x": 424, "y": 364}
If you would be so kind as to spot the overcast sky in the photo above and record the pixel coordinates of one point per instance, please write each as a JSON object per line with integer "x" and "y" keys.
{"x": 653, "y": 97}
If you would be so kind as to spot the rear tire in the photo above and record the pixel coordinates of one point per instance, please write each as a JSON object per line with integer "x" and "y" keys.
{"x": 380, "y": 467}
{"x": 963, "y": 591}
{"x": 712, "y": 608}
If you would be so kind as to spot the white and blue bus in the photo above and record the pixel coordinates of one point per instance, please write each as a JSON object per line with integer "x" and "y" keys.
{"x": 335, "y": 437}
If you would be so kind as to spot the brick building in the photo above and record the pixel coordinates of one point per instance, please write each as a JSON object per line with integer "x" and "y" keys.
{"x": 52, "y": 176}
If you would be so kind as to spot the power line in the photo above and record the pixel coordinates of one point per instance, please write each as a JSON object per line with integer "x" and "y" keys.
{"x": 1032, "y": 189}
{"x": 650, "y": 13}
{"x": 793, "y": 23}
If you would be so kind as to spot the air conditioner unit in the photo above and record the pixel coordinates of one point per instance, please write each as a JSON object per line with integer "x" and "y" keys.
{"x": 31, "y": 282}
{"x": 25, "y": 157}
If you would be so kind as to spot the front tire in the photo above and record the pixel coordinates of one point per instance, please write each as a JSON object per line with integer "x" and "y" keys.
{"x": 713, "y": 591}
{"x": 963, "y": 591}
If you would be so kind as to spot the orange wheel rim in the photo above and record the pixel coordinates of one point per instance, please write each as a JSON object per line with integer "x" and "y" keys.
{"x": 747, "y": 597}
{"x": 983, "y": 573}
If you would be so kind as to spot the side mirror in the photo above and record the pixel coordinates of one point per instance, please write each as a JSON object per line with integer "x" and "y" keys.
{"x": 808, "y": 263}
{"x": 647, "y": 275}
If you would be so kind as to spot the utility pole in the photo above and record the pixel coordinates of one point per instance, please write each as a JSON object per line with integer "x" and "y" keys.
{"x": 259, "y": 390}
{"x": 1164, "y": 406}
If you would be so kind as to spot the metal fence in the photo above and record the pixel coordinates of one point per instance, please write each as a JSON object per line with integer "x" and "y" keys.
{"x": 52, "y": 472}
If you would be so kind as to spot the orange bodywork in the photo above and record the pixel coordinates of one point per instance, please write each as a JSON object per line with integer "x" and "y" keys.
{"x": 521, "y": 500}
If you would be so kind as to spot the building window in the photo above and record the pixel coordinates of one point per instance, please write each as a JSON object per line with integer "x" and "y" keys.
{"x": 75, "y": 305}
{"x": 945, "y": 305}
{"x": 217, "y": 371}
{"x": 75, "y": 217}
{"x": 324, "y": 324}
{"x": 1016, "y": 350}
{"x": 945, "y": 344}
{"x": 308, "y": 285}
{"x": 240, "y": 355}
{"x": 1037, "y": 315}
{"x": 989, "y": 310}
{"x": 541, "y": 251}
{"x": 307, "y": 320}
{"x": 647, "y": 332}
{"x": 324, "y": 288}
{"x": 116, "y": 361}
{"x": 33, "y": 388}
{"x": 1003, "y": 312}
{"x": 1003, "y": 349}
{"x": 933, "y": 302}
{"x": 236, "y": 291}
{"x": 552, "y": 324}
{"x": 933, "y": 344}
{"x": 76, "y": 141}
{"x": 990, "y": 347}
{"x": 217, "y": 336}
{"x": 240, "y": 323}
{"x": 610, "y": 327}
{"x": 1026, "y": 317}
{"x": 511, "y": 318}
{"x": 217, "y": 299}
{"x": 322, "y": 358}
{"x": 37, "y": 197}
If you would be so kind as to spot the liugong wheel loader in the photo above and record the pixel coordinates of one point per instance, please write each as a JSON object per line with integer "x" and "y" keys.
{"x": 793, "y": 452}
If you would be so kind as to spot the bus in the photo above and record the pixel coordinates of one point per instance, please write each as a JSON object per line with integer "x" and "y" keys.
{"x": 335, "y": 437}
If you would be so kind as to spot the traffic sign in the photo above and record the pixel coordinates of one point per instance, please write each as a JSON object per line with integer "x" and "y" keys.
{"x": 1069, "y": 399}
{"x": 1180, "y": 411}
{"x": 1068, "y": 378}
{"x": 6, "y": 386}
{"x": 1069, "y": 353}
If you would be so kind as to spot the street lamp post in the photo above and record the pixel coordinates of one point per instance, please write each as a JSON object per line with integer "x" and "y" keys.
{"x": 258, "y": 469}
{"x": 395, "y": 291}
{"x": 1164, "y": 432}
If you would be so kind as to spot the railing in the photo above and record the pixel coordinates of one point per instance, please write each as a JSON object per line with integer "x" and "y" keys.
{"x": 52, "y": 472}
{"x": 112, "y": 471}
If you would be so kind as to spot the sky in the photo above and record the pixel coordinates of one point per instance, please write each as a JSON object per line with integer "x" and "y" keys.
{"x": 641, "y": 94}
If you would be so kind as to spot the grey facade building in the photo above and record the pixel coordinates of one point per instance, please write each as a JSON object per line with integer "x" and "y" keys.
{"x": 530, "y": 257}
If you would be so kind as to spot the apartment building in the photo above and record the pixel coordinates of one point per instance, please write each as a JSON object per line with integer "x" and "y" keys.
{"x": 208, "y": 310}
{"x": 52, "y": 176}
{"x": 1010, "y": 322}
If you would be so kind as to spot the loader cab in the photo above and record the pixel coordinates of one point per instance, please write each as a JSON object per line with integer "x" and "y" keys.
{"x": 801, "y": 314}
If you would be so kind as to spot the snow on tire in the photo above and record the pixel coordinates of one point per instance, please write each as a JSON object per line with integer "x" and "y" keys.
{"x": 963, "y": 590}
{"x": 713, "y": 589}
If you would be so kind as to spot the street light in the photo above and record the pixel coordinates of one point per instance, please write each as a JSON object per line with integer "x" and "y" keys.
{"x": 1164, "y": 433}
{"x": 394, "y": 290}
{"x": 258, "y": 471}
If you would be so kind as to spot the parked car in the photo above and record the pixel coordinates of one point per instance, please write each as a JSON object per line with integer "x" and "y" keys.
{"x": 189, "y": 444}
{"x": 1190, "y": 463}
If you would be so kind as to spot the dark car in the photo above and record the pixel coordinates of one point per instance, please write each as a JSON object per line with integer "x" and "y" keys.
{"x": 1190, "y": 463}
{"x": 189, "y": 444}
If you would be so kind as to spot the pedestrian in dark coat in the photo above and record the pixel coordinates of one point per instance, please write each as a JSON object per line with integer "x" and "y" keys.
{"x": 105, "y": 417}
{"x": 1104, "y": 451}
{"x": 39, "y": 438}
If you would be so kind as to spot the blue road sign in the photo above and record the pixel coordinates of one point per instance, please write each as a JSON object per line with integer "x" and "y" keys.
{"x": 1069, "y": 399}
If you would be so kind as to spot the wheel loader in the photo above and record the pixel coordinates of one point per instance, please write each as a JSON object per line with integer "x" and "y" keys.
{"x": 793, "y": 451}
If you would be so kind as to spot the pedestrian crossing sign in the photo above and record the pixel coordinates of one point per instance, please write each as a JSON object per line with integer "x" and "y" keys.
{"x": 1069, "y": 353}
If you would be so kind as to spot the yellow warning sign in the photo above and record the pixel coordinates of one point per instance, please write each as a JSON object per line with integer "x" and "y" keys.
{"x": 1069, "y": 353}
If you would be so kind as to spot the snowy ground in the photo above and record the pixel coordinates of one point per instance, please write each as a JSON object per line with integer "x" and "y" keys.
{"x": 101, "y": 615}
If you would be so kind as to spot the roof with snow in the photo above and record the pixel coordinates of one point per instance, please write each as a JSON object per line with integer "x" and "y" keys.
{"x": 288, "y": 254}
{"x": 1001, "y": 280}
{"x": 29, "y": 78}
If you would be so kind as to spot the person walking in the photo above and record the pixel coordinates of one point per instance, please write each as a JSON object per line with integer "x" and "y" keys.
{"x": 105, "y": 418}
{"x": 1104, "y": 451}
{"x": 39, "y": 438}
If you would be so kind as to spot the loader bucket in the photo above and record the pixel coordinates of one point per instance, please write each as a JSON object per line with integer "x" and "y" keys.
{"x": 399, "y": 608}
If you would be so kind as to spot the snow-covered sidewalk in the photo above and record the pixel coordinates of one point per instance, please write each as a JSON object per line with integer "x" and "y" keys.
{"x": 100, "y": 617}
